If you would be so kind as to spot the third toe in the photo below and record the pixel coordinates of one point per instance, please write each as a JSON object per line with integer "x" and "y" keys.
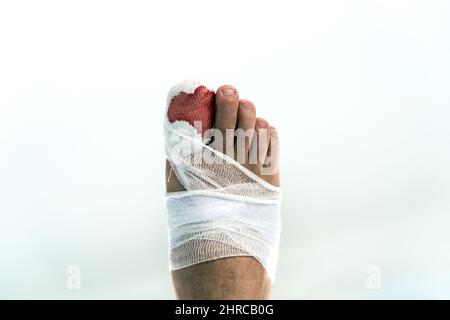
{"x": 245, "y": 129}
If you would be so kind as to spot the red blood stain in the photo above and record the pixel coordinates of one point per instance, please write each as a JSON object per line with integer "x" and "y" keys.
{"x": 191, "y": 107}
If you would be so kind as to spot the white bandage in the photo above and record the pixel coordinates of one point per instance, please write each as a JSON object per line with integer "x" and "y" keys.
{"x": 226, "y": 211}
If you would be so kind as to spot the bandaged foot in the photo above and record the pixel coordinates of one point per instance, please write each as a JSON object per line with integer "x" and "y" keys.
{"x": 222, "y": 175}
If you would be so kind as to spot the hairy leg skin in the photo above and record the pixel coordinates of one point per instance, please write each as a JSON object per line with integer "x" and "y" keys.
{"x": 234, "y": 277}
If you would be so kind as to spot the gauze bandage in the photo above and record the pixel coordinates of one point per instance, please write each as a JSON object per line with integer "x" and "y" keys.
{"x": 226, "y": 209}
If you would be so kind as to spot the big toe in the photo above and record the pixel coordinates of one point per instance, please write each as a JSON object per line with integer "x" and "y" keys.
{"x": 192, "y": 102}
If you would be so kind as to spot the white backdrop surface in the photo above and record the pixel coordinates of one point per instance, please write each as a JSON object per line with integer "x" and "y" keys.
{"x": 359, "y": 91}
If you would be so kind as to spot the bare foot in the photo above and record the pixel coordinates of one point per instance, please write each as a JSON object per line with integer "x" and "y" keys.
{"x": 234, "y": 277}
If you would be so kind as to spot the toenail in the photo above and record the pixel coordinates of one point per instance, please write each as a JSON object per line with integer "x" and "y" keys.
{"x": 261, "y": 123}
{"x": 228, "y": 92}
{"x": 274, "y": 132}
{"x": 246, "y": 105}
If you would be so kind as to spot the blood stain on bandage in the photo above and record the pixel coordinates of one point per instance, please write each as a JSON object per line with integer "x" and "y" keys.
{"x": 192, "y": 107}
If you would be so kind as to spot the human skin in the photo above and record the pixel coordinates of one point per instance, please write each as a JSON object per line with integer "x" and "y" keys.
{"x": 234, "y": 277}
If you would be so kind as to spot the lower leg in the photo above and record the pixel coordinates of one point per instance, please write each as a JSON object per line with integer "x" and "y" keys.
{"x": 228, "y": 278}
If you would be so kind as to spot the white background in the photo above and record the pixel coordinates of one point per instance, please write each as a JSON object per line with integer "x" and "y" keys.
{"x": 358, "y": 89}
